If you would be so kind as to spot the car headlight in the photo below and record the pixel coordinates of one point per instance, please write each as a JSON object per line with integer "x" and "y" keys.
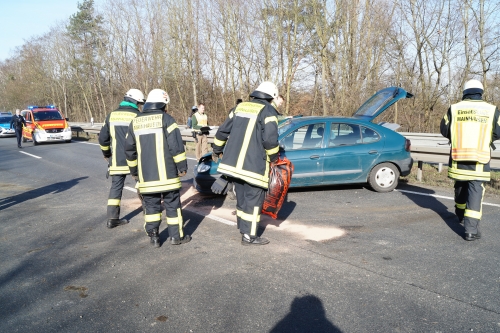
{"x": 202, "y": 167}
{"x": 67, "y": 129}
{"x": 39, "y": 130}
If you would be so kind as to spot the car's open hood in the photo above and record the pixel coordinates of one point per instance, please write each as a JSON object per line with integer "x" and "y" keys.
{"x": 379, "y": 102}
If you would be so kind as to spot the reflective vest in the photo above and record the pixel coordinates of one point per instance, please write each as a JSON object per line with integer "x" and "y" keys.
{"x": 471, "y": 131}
{"x": 155, "y": 151}
{"x": 201, "y": 119}
{"x": 112, "y": 137}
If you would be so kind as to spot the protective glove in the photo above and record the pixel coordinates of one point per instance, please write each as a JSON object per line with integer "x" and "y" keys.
{"x": 215, "y": 157}
{"x": 182, "y": 173}
{"x": 220, "y": 185}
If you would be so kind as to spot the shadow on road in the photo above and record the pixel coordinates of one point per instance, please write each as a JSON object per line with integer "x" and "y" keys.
{"x": 38, "y": 192}
{"x": 433, "y": 204}
{"x": 307, "y": 314}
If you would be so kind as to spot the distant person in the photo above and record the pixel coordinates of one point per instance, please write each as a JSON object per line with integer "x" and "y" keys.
{"x": 246, "y": 143}
{"x": 190, "y": 120}
{"x": 156, "y": 157}
{"x": 17, "y": 122}
{"x": 112, "y": 142}
{"x": 200, "y": 123}
{"x": 471, "y": 126}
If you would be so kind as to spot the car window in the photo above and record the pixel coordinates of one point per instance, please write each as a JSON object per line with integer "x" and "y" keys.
{"x": 368, "y": 135}
{"x": 47, "y": 115}
{"x": 344, "y": 134}
{"x": 4, "y": 119}
{"x": 27, "y": 116}
{"x": 305, "y": 137}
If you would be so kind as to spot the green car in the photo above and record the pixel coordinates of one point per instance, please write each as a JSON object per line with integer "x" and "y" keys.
{"x": 338, "y": 150}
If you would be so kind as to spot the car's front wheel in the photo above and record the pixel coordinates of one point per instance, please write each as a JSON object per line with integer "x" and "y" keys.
{"x": 34, "y": 141}
{"x": 23, "y": 139}
{"x": 384, "y": 177}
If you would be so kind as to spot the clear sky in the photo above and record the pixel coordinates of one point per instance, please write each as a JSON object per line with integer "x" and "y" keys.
{"x": 24, "y": 19}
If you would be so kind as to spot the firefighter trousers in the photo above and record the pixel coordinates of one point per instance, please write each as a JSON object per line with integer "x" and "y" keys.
{"x": 152, "y": 216}
{"x": 468, "y": 203}
{"x": 115, "y": 196}
{"x": 249, "y": 201}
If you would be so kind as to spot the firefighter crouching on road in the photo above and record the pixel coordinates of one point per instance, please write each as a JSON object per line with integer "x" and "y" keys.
{"x": 250, "y": 137}
{"x": 156, "y": 157}
{"x": 112, "y": 142}
{"x": 471, "y": 125}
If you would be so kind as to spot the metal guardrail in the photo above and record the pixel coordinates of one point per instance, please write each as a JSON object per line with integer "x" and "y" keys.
{"x": 425, "y": 147}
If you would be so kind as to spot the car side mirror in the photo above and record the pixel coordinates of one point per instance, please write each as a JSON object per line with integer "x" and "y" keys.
{"x": 67, "y": 119}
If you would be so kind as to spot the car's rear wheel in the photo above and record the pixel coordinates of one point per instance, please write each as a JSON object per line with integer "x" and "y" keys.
{"x": 67, "y": 141}
{"x": 384, "y": 177}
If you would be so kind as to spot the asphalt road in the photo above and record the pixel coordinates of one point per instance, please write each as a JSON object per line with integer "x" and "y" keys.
{"x": 341, "y": 259}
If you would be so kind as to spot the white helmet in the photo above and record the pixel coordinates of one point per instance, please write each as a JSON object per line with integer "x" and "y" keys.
{"x": 136, "y": 95}
{"x": 269, "y": 88}
{"x": 158, "y": 96}
{"x": 473, "y": 84}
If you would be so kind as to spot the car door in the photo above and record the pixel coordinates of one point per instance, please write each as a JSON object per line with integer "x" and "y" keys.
{"x": 304, "y": 147}
{"x": 28, "y": 129}
{"x": 350, "y": 152}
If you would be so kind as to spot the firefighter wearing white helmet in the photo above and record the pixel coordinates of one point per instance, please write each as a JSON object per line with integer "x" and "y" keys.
{"x": 471, "y": 126}
{"x": 112, "y": 140}
{"x": 156, "y": 158}
{"x": 249, "y": 138}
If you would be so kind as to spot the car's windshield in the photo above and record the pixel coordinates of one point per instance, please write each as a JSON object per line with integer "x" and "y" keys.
{"x": 47, "y": 115}
{"x": 5, "y": 119}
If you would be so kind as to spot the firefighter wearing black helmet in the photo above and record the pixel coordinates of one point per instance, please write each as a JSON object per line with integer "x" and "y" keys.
{"x": 156, "y": 157}
{"x": 249, "y": 138}
{"x": 471, "y": 125}
{"x": 112, "y": 140}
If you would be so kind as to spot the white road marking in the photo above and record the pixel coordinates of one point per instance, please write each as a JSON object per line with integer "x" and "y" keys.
{"x": 87, "y": 143}
{"x": 443, "y": 197}
{"x": 22, "y": 152}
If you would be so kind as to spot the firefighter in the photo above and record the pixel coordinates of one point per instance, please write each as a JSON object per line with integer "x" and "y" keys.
{"x": 156, "y": 157}
{"x": 199, "y": 121}
{"x": 249, "y": 138}
{"x": 471, "y": 126}
{"x": 112, "y": 141}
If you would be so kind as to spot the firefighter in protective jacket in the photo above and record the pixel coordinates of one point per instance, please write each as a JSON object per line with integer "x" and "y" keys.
{"x": 249, "y": 138}
{"x": 471, "y": 125}
{"x": 112, "y": 141}
{"x": 156, "y": 157}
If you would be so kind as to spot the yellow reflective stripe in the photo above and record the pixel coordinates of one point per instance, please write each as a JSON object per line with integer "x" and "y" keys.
{"x": 249, "y": 108}
{"x": 152, "y": 217}
{"x": 472, "y": 213}
{"x": 172, "y": 127}
{"x": 114, "y": 202}
{"x": 219, "y": 143}
{"x": 269, "y": 119}
{"x": 160, "y": 158}
{"x": 446, "y": 121}
{"x": 172, "y": 220}
{"x": 119, "y": 170}
{"x": 105, "y": 148}
{"x": 460, "y": 206}
{"x": 180, "y": 157}
{"x": 155, "y": 187}
{"x": 273, "y": 150}
{"x": 113, "y": 144}
{"x": 255, "y": 217}
{"x": 132, "y": 164}
{"x": 246, "y": 142}
{"x": 248, "y": 176}
{"x": 181, "y": 222}
{"x": 231, "y": 115}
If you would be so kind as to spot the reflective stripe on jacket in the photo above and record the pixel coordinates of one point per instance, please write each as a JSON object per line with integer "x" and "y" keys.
{"x": 250, "y": 137}
{"x": 155, "y": 151}
{"x": 112, "y": 136}
{"x": 471, "y": 127}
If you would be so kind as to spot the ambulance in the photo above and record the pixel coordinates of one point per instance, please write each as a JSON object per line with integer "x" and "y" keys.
{"x": 45, "y": 124}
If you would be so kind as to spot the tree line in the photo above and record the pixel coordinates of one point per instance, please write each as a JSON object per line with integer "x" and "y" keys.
{"x": 326, "y": 56}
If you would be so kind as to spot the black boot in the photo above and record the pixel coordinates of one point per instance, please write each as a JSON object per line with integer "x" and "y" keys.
{"x": 155, "y": 237}
{"x": 179, "y": 241}
{"x": 116, "y": 222}
{"x": 247, "y": 240}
